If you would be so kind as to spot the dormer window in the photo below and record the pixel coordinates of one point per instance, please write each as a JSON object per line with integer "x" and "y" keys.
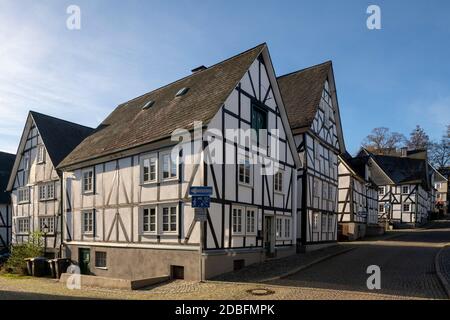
{"x": 148, "y": 105}
{"x": 182, "y": 92}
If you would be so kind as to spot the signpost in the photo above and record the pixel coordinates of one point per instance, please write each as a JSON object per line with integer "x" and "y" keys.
{"x": 201, "y": 200}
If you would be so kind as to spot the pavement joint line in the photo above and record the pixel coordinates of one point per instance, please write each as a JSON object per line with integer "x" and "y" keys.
{"x": 308, "y": 265}
{"x": 439, "y": 272}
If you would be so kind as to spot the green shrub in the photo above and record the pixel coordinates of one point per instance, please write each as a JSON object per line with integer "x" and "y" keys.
{"x": 19, "y": 252}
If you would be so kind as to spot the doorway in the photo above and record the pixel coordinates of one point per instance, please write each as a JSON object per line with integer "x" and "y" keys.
{"x": 269, "y": 236}
{"x": 84, "y": 260}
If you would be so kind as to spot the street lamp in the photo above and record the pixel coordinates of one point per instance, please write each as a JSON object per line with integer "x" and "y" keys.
{"x": 45, "y": 231}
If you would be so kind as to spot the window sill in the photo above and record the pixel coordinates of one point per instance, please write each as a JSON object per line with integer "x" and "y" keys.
{"x": 27, "y": 202}
{"x": 168, "y": 233}
{"x": 102, "y": 268}
{"x": 149, "y": 183}
{"x": 149, "y": 234}
{"x": 243, "y": 184}
{"x": 87, "y": 193}
{"x": 169, "y": 179}
{"x": 279, "y": 192}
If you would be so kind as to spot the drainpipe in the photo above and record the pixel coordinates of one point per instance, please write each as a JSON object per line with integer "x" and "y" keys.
{"x": 61, "y": 205}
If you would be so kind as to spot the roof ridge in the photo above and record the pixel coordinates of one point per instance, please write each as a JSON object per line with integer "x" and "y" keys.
{"x": 307, "y": 68}
{"x": 59, "y": 119}
{"x": 193, "y": 74}
{"x": 7, "y": 153}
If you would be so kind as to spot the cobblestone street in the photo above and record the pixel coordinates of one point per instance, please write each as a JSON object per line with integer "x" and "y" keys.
{"x": 406, "y": 260}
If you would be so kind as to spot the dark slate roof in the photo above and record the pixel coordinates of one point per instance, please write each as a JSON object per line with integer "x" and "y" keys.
{"x": 402, "y": 169}
{"x": 128, "y": 126}
{"x": 6, "y": 164}
{"x": 301, "y": 92}
{"x": 60, "y": 137}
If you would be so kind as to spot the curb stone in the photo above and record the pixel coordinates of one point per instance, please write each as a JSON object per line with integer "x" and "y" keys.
{"x": 439, "y": 271}
{"x": 308, "y": 265}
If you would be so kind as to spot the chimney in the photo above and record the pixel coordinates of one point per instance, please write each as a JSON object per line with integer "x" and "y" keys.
{"x": 198, "y": 69}
{"x": 404, "y": 152}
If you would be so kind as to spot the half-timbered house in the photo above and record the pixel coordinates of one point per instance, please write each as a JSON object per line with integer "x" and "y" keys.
{"x": 405, "y": 191}
{"x": 6, "y": 163}
{"x": 35, "y": 184}
{"x": 128, "y": 210}
{"x": 313, "y": 111}
{"x": 358, "y": 197}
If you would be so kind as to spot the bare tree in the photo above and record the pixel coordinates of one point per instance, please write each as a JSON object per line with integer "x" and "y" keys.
{"x": 382, "y": 139}
{"x": 440, "y": 151}
{"x": 418, "y": 139}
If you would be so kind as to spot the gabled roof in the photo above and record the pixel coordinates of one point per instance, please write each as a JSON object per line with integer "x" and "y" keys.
{"x": 6, "y": 164}
{"x": 403, "y": 170}
{"x": 59, "y": 136}
{"x": 301, "y": 91}
{"x": 357, "y": 165}
{"x": 129, "y": 126}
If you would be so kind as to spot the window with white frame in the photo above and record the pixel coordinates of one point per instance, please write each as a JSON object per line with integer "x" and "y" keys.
{"x": 406, "y": 207}
{"x": 237, "y": 221}
{"x": 23, "y": 195}
{"x": 245, "y": 171}
{"x": 438, "y": 185}
{"x": 47, "y": 224}
{"x": 381, "y": 191}
{"x": 317, "y": 151}
{"x": 149, "y": 169}
{"x": 316, "y": 188}
{"x": 149, "y": 220}
{"x": 315, "y": 221}
{"x": 330, "y": 223}
{"x": 251, "y": 221}
{"x": 88, "y": 181}
{"x": 405, "y": 189}
{"x": 100, "y": 259}
{"x": 287, "y": 228}
{"x": 169, "y": 218}
{"x": 278, "y": 181}
{"x": 23, "y": 225}
{"x": 41, "y": 154}
{"x": 324, "y": 222}
{"x": 169, "y": 166}
{"x": 279, "y": 227}
{"x": 47, "y": 191}
{"x": 88, "y": 222}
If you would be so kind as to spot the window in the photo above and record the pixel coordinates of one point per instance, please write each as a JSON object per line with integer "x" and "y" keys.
{"x": 406, "y": 207}
{"x": 23, "y": 195}
{"x": 438, "y": 185}
{"x": 100, "y": 259}
{"x": 316, "y": 151}
{"x": 169, "y": 219}
{"x": 315, "y": 221}
{"x": 278, "y": 181}
{"x": 259, "y": 121}
{"x": 287, "y": 228}
{"x": 23, "y": 225}
{"x": 251, "y": 221}
{"x": 149, "y": 169}
{"x": 381, "y": 208}
{"x": 169, "y": 167}
{"x": 279, "y": 227}
{"x": 182, "y": 92}
{"x": 382, "y": 191}
{"x": 149, "y": 220}
{"x": 88, "y": 181}
{"x": 47, "y": 191}
{"x": 88, "y": 222}
{"x": 47, "y": 224}
{"x": 41, "y": 154}
{"x": 245, "y": 171}
{"x": 316, "y": 188}
{"x": 330, "y": 223}
{"x": 237, "y": 220}
{"x": 324, "y": 223}
{"x": 405, "y": 189}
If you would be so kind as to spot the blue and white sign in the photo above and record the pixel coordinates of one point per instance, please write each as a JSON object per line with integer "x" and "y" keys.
{"x": 200, "y": 191}
{"x": 201, "y": 202}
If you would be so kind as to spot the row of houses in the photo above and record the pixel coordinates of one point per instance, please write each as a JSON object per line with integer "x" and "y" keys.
{"x": 115, "y": 199}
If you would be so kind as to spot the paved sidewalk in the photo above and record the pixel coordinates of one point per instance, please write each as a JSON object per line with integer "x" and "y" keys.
{"x": 281, "y": 267}
{"x": 444, "y": 268}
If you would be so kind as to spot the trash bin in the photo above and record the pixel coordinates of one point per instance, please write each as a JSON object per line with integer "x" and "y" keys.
{"x": 39, "y": 267}
{"x": 61, "y": 266}
{"x": 52, "y": 266}
{"x": 29, "y": 266}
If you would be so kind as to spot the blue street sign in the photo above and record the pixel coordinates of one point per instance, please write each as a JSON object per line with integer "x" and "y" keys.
{"x": 200, "y": 191}
{"x": 201, "y": 202}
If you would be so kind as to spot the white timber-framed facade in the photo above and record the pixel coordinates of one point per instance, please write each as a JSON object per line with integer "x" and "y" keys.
{"x": 6, "y": 163}
{"x": 127, "y": 195}
{"x": 311, "y": 101}
{"x": 35, "y": 184}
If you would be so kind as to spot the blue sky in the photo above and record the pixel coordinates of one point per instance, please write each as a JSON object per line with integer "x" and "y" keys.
{"x": 396, "y": 77}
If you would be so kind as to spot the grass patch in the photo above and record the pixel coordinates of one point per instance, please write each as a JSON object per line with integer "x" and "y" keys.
{"x": 14, "y": 276}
